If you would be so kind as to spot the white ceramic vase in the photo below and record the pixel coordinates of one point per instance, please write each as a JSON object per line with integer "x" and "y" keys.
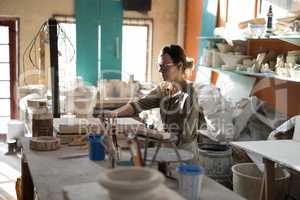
{"x": 132, "y": 183}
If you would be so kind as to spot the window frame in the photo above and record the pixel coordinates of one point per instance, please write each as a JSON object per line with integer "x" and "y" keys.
{"x": 13, "y": 25}
{"x": 223, "y": 12}
{"x": 149, "y": 24}
{"x": 67, "y": 19}
{"x": 126, "y": 21}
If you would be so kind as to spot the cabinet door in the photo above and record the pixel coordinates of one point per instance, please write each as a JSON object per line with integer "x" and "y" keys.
{"x": 99, "y": 39}
{"x": 111, "y": 19}
{"x": 87, "y": 17}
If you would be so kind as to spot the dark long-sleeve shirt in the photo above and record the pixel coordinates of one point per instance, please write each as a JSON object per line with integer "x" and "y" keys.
{"x": 179, "y": 112}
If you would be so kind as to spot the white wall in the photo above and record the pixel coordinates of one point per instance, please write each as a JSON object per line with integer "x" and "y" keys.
{"x": 164, "y": 16}
{"x": 32, "y": 13}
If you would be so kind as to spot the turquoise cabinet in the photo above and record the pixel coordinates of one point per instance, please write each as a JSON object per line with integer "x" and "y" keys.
{"x": 99, "y": 39}
{"x": 209, "y": 18}
{"x": 111, "y": 20}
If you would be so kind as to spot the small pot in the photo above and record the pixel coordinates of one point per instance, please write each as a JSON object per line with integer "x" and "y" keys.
{"x": 132, "y": 183}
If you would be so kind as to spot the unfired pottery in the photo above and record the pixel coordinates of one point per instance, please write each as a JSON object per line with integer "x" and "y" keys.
{"x": 132, "y": 183}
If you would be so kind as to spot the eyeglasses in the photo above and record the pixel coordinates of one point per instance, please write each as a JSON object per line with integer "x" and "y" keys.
{"x": 161, "y": 66}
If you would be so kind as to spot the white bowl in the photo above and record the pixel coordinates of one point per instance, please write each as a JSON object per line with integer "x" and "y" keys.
{"x": 232, "y": 60}
{"x": 132, "y": 183}
{"x": 224, "y": 48}
{"x": 228, "y": 67}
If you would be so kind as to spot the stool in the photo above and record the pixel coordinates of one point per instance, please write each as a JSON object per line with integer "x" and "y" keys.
{"x": 177, "y": 157}
{"x": 171, "y": 141}
{"x": 165, "y": 156}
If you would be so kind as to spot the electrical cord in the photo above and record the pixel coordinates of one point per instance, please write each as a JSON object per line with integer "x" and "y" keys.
{"x": 30, "y": 46}
{"x": 33, "y": 45}
{"x": 66, "y": 38}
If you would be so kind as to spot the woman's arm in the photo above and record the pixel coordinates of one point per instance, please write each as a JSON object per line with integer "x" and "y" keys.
{"x": 124, "y": 111}
{"x": 152, "y": 100}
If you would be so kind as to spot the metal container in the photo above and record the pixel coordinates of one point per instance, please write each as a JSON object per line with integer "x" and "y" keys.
{"x": 216, "y": 160}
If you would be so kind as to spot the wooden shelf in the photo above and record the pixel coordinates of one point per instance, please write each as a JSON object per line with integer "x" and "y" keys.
{"x": 246, "y": 73}
{"x": 293, "y": 39}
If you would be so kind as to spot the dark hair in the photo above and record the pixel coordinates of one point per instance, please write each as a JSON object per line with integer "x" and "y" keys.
{"x": 177, "y": 54}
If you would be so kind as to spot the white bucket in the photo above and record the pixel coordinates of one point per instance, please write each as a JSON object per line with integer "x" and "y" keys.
{"x": 16, "y": 129}
{"x": 247, "y": 181}
{"x": 190, "y": 181}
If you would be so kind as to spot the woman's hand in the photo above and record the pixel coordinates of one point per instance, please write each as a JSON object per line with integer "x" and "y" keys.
{"x": 124, "y": 111}
{"x": 109, "y": 114}
{"x": 169, "y": 88}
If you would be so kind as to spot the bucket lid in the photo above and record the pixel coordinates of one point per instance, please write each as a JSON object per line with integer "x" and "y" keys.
{"x": 190, "y": 169}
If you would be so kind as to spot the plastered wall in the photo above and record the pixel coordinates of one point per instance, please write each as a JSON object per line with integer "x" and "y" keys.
{"x": 32, "y": 13}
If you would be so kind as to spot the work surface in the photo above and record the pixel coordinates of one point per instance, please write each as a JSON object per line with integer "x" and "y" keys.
{"x": 51, "y": 174}
{"x": 285, "y": 152}
{"x": 210, "y": 191}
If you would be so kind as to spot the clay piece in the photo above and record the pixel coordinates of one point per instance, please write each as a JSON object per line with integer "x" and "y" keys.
{"x": 44, "y": 143}
{"x": 133, "y": 183}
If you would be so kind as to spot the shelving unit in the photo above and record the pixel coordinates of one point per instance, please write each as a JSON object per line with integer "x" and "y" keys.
{"x": 293, "y": 39}
{"x": 281, "y": 44}
{"x": 246, "y": 73}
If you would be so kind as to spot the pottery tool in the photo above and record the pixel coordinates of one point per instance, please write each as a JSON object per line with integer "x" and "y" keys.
{"x": 135, "y": 150}
{"x": 44, "y": 143}
{"x": 73, "y": 156}
{"x": 114, "y": 138}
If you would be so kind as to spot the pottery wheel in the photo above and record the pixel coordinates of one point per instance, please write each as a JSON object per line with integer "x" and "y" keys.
{"x": 44, "y": 143}
{"x": 168, "y": 155}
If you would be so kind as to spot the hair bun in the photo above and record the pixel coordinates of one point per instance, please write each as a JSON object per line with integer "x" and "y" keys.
{"x": 189, "y": 63}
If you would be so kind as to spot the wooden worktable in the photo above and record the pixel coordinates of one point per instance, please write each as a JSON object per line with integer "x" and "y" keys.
{"x": 211, "y": 190}
{"x": 284, "y": 152}
{"x": 51, "y": 174}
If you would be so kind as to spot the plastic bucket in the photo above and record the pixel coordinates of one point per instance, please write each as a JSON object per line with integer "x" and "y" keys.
{"x": 216, "y": 160}
{"x": 16, "y": 129}
{"x": 190, "y": 181}
{"x": 247, "y": 180}
{"x": 96, "y": 148}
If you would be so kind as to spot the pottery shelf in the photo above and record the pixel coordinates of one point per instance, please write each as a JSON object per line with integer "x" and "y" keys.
{"x": 246, "y": 73}
{"x": 293, "y": 39}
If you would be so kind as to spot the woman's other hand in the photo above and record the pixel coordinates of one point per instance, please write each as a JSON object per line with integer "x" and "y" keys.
{"x": 169, "y": 88}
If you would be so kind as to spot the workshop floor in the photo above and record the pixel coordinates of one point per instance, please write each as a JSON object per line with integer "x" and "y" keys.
{"x": 10, "y": 170}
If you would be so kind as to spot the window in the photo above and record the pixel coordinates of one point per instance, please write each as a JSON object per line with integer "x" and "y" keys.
{"x": 235, "y": 11}
{"x": 280, "y": 8}
{"x": 136, "y": 49}
{"x": 7, "y": 72}
{"x": 240, "y": 10}
{"x": 66, "y": 52}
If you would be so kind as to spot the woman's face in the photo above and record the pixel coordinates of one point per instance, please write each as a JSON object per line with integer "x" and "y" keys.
{"x": 168, "y": 69}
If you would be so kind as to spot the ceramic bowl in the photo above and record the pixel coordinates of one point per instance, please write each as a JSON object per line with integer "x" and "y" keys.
{"x": 131, "y": 183}
{"x": 232, "y": 60}
{"x": 223, "y": 48}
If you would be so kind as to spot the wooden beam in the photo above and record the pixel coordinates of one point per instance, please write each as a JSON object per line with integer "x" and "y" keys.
{"x": 269, "y": 179}
{"x": 27, "y": 183}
